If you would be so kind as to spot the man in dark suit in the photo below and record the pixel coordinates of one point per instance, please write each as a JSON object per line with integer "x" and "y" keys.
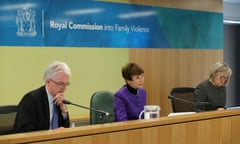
{"x": 38, "y": 108}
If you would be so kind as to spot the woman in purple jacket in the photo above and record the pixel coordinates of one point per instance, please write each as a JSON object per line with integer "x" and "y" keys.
{"x": 130, "y": 99}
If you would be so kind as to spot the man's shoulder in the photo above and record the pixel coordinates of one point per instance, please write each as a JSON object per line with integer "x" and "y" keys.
{"x": 36, "y": 92}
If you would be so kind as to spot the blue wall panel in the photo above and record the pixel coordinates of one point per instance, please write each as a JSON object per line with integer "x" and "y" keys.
{"x": 110, "y": 25}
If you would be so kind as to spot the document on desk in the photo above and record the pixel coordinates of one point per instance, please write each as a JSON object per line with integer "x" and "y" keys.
{"x": 180, "y": 113}
{"x": 233, "y": 107}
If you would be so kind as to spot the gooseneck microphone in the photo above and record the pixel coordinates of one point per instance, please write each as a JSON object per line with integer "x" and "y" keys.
{"x": 187, "y": 101}
{"x": 89, "y": 108}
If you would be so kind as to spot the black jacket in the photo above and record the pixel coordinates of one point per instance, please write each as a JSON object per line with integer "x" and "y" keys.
{"x": 33, "y": 112}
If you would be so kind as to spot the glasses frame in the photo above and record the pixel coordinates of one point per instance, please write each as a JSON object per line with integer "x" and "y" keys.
{"x": 223, "y": 78}
{"x": 61, "y": 84}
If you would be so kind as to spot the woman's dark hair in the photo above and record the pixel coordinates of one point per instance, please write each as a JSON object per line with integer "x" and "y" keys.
{"x": 131, "y": 69}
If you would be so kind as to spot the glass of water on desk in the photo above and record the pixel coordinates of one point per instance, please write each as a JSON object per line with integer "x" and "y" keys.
{"x": 150, "y": 112}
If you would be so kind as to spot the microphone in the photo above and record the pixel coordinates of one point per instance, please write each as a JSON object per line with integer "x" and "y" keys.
{"x": 188, "y": 101}
{"x": 89, "y": 108}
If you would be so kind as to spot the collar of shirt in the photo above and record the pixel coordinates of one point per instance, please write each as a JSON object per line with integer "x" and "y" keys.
{"x": 50, "y": 103}
{"x": 132, "y": 90}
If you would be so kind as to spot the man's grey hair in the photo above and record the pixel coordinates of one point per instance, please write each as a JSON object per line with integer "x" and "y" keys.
{"x": 54, "y": 68}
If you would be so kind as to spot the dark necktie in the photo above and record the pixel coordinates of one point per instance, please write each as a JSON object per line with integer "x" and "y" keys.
{"x": 55, "y": 117}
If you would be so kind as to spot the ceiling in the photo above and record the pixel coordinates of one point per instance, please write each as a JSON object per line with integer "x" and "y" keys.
{"x": 231, "y": 1}
{"x": 231, "y": 10}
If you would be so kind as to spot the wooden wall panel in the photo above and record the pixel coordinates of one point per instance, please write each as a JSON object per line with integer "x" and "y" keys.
{"x": 168, "y": 68}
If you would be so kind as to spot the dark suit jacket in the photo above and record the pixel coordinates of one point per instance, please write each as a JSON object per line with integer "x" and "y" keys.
{"x": 33, "y": 112}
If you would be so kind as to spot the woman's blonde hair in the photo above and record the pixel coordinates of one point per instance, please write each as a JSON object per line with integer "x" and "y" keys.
{"x": 220, "y": 67}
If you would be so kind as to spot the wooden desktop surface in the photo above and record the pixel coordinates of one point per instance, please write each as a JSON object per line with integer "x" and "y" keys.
{"x": 216, "y": 127}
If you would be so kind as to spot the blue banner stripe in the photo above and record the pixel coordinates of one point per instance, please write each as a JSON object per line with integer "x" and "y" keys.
{"x": 107, "y": 25}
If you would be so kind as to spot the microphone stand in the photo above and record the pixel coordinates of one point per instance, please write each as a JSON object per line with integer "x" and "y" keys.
{"x": 187, "y": 101}
{"x": 103, "y": 113}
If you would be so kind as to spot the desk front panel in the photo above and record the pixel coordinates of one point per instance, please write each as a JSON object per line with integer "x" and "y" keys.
{"x": 202, "y": 128}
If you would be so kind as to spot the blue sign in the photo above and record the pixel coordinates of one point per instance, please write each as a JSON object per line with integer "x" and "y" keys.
{"x": 103, "y": 24}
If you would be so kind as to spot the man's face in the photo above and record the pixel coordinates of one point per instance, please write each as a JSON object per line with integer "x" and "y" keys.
{"x": 58, "y": 84}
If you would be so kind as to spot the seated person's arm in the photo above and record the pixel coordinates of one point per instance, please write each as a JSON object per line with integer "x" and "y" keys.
{"x": 120, "y": 109}
{"x": 200, "y": 95}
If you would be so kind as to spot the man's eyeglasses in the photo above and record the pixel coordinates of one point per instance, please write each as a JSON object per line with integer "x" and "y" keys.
{"x": 62, "y": 84}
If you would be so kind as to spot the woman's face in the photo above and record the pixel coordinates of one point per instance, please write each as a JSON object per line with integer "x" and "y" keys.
{"x": 137, "y": 81}
{"x": 220, "y": 79}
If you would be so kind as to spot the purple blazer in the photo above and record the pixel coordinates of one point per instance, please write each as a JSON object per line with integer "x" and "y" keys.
{"x": 127, "y": 106}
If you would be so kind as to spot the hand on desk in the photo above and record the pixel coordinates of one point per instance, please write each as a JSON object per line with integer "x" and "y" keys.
{"x": 220, "y": 109}
{"x": 58, "y": 129}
